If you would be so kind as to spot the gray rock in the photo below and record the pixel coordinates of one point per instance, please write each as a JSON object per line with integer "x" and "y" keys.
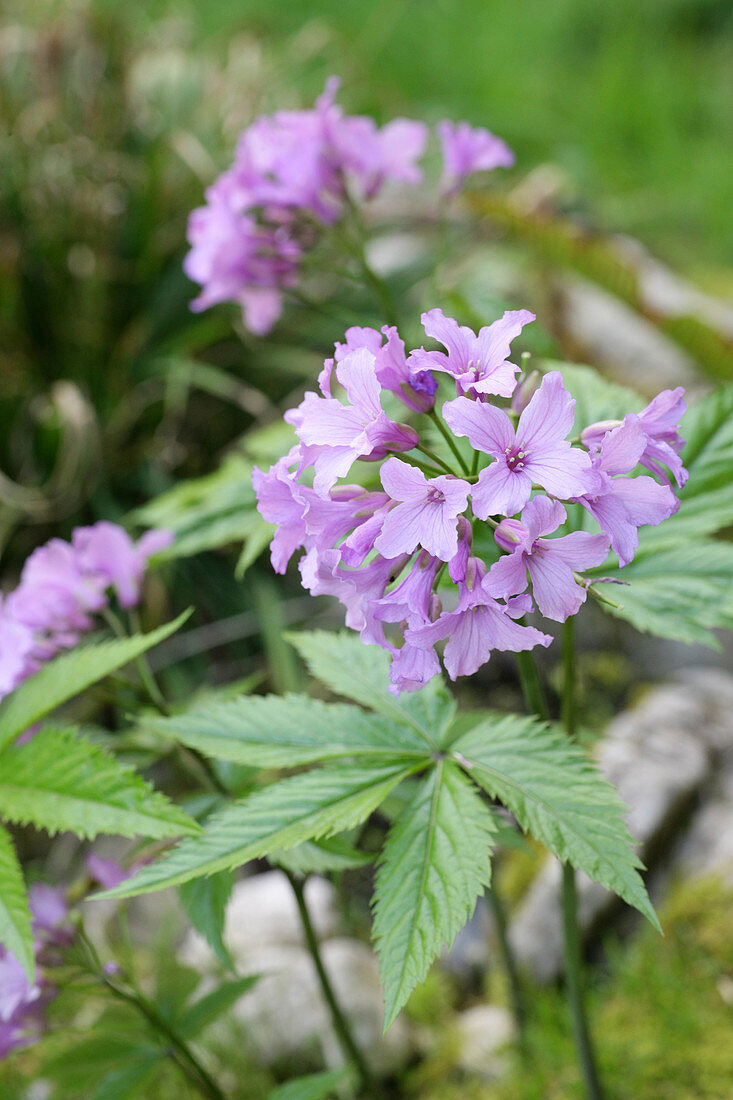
{"x": 483, "y": 1033}
{"x": 285, "y": 1014}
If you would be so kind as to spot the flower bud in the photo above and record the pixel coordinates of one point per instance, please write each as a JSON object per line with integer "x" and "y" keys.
{"x": 525, "y": 391}
{"x": 591, "y": 436}
{"x": 510, "y": 533}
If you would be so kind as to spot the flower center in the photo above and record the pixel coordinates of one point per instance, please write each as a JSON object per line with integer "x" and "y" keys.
{"x": 517, "y": 456}
{"x": 436, "y": 496}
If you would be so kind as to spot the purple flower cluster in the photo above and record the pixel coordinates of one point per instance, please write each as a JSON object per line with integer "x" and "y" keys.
{"x": 62, "y": 585}
{"x": 22, "y": 1004}
{"x": 297, "y": 172}
{"x": 403, "y": 554}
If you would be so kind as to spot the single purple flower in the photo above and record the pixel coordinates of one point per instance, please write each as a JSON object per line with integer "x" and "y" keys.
{"x": 478, "y": 363}
{"x": 536, "y": 452}
{"x": 468, "y": 149}
{"x": 660, "y": 422}
{"x": 335, "y": 435}
{"x": 402, "y": 375}
{"x": 478, "y": 625}
{"x": 412, "y": 667}
{"x": 107, "y": 872}
{"x": 622, "y": 504}
{"x": 426, "y": 515}
{"x": 550, "y": 562}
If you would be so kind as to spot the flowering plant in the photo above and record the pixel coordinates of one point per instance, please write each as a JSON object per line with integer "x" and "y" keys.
{"x": 398, "y": 554}
{"x": 441, "y": 494}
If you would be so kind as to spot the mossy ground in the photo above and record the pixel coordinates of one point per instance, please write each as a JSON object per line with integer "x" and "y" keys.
{"x": 662, "y": 1017}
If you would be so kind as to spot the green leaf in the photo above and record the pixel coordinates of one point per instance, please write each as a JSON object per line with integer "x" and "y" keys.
{"x": 679, "y": 592}
{"x": 316, "y": 1086}
{"x": 272, "y": 731}
{"x": 435, "y": 863}
{"x": 205, "y": 901}
{"x": 303, "y": 807}
{"x": 61, "y": 781}
{"x": 66, "y": 676}
{"x": 558, "y": 796}
{"x": 16, "y": 933}
{"x": 595, "y": 397}
{"x": 207, "y": 512}
{"x": 361, "y": 672}
{"x": 208, "y": 1008}
{"x": 320, "y": 857}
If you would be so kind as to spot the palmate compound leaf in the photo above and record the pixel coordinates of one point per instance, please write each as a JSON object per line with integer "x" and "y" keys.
{"x": 15, "y": 919}
{"x": 361, "y": 672}
{"x": 434, "y": 865}
{"x": 314, "y": 804}
{"x": 558, "y": 796}
{"x": 681, "y": 592}
{"x": 60, "y": 781}
{"x": 274, "y": 731}
{"x": 66, "y": 676}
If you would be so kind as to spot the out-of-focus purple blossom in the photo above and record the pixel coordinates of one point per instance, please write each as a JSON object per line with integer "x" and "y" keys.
{"x": 467, "y": 149}
{"x": 107, "y": 872}
{"x": 22, "y": 1003}
{"x": 294, "y": 174}
{"x": 62, "y": 586}
{"x": 478, "y": 363}
{"x": 106, "y": 551}
{"x": 550, "y": 563}
{"x": 622, "y": 504}
{"x": 537, "y": 451}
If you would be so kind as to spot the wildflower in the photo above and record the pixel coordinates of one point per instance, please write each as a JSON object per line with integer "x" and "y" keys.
{"x": 335, "y": 434}
{"x": 467, "y": 149}
{"x": 62, "y": 586}
{"x": 426, "y": 513}
{"x": 478, "y": 363}
{"x": 536, "y": 452}
{"x": 550, "y": 562}
{"x": 383, "y": 554}
{"x": 622, "y": 504}
{"x": 479, "y": 624}
{"x": 660, "y": 423}
{"x": 295, "y": 173}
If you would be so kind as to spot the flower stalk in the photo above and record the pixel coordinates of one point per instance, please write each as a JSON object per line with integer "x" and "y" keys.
{"x": 338, "y": 1017}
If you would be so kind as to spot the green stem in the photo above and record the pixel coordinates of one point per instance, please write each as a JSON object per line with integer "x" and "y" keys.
{"x": 340, "y": 1022}
{"x": 532, "y": 690}
{"x": 516, "y": 993}
{"x": 433, "y": 458}
{"x": 574, "y": 986}
{"x": 573, "y": 945}
{"x": 448, "y": 438}
{"x": 537, "y": 703}
{"x": 179, "y": 1050}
